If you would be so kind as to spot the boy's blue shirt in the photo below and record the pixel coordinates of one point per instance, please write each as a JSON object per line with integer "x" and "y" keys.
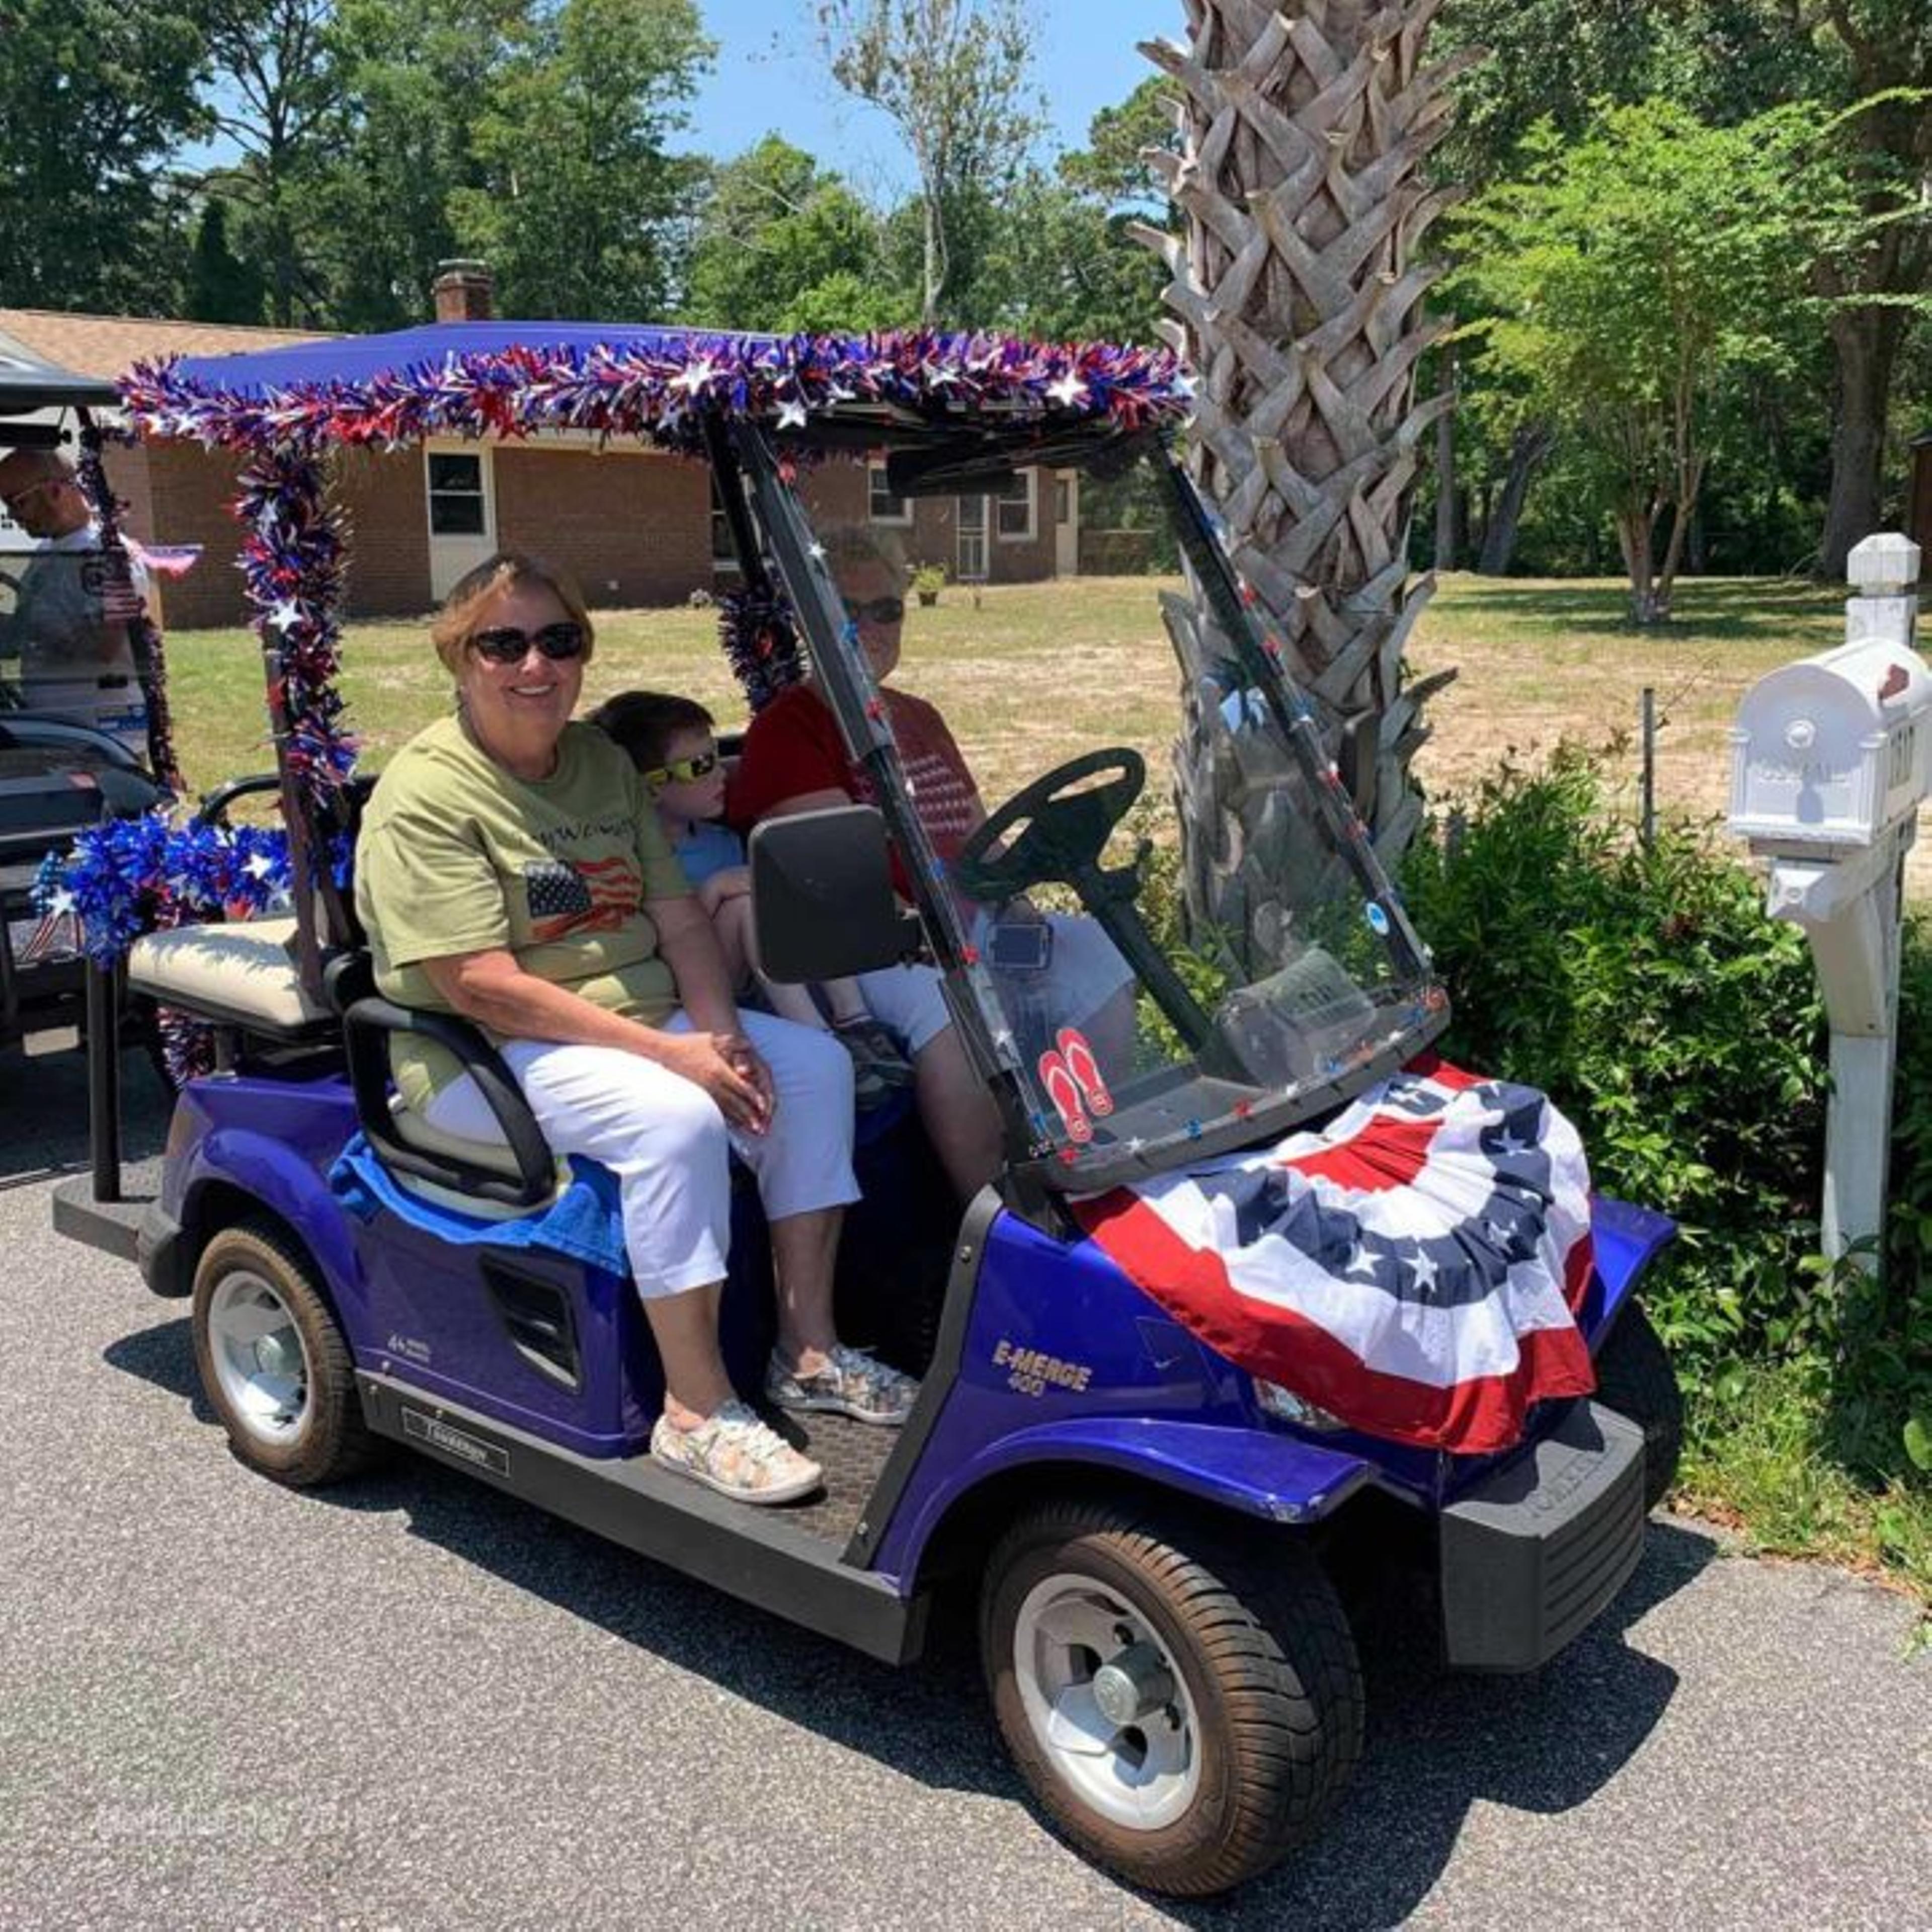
{"x": 709, "y": 847}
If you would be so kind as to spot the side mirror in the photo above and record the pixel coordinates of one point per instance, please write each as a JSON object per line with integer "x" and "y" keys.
{"x": 822, "y": 896}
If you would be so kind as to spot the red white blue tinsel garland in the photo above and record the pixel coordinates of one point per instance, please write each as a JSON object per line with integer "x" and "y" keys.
{"x": 760, "y": 640}
{"x": 662, "y": 389}
{"x": 130, "y": 876}
{"x": 292, "y": 560}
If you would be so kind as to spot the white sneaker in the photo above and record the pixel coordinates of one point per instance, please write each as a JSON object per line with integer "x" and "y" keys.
{"x": 851, "y": 1383}
{"x": 736, "y": 1454}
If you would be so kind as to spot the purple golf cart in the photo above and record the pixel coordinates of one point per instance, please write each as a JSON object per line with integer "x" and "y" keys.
{"x": 1150, "y": 1528}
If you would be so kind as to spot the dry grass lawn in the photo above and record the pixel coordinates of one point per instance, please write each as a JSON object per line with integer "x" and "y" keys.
{"x": 1033, "y": 673}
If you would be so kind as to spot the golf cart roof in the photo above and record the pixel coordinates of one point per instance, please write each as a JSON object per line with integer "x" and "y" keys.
{"x": 1057, "y": 403}
{"x": 29, "y": 382}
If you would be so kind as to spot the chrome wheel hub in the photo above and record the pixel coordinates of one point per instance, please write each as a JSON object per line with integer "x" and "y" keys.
{"x": 258, "y": 1356}
{"x": 1106, "y": 1703}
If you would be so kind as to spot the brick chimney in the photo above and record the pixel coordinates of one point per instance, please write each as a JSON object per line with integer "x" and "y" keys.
{"x": 464, "y": 292}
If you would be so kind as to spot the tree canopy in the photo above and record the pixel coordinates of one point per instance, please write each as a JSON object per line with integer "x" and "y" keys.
{"x": 310, "y": 162}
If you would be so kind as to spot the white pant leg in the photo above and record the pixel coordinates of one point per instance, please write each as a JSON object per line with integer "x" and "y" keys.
{"x": 1087, "y": 970}
{"x": 804, "y": 1163}
{"x": 664, "y": 1138}
{"x": 910, "y": 1001}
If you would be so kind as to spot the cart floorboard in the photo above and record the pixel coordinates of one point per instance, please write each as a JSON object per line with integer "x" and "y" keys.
{"x": 792, "y": 1555}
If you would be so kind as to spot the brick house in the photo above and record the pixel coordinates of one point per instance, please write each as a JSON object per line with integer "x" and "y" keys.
{"x": 635, "y": 526}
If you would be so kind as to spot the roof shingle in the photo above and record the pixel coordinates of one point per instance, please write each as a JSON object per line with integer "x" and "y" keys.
{"x": 108, "y": 345}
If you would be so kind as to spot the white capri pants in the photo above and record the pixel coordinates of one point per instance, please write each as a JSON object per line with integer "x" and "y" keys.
{"x": 1085, "y": 972}
{"x": 669, "y": 1146}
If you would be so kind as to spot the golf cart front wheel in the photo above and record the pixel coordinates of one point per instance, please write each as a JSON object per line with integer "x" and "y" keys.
{"x": 1184, "y": 1715}
{"x": 273, "y": 1361}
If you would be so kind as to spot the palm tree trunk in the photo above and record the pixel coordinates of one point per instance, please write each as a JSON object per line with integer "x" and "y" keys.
{"x": 1298, "y": 299}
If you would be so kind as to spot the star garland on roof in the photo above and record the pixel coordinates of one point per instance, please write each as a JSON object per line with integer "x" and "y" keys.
{"x": 661, "y": 390}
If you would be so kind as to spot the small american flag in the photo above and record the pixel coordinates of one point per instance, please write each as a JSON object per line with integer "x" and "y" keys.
{"x": 164, "y": 560}
{"x": 57, "y": 937}
{"x": 597, "y": 895}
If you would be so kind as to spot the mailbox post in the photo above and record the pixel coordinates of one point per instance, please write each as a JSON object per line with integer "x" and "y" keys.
{"x": 1830, "y": 758}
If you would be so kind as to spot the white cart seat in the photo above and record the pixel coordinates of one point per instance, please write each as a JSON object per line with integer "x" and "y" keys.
{"x": 243, "y": 974}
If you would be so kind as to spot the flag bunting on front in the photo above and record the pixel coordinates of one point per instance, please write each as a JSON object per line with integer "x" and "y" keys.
{"x": 1414, "y": 1268}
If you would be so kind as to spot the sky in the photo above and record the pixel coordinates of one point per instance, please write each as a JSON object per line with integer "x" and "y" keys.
{"x": 770, "y": 78}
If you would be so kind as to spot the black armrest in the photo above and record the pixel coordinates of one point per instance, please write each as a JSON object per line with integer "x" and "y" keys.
{"x": 367, "y": 1025}
{"x": 213, "y": 809}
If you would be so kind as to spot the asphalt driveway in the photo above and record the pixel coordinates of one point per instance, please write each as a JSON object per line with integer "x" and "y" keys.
{"x": 418, "y": 1702}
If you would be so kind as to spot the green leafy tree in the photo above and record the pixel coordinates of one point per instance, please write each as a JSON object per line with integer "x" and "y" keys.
{"x": 1052, "y": 254}
{"x": 782, "y": 244}
{"x": 1633, "y": 277}
{"x": 222, "y": 285}
{"x": 580, "y": 207}
{"x": 1114, "y": 167}
{"x": 952, "y": 76}
{"x": 94, "y": 97}
{"x": 274, "y": 94}
{"x": 1729, "y": 60}
{"x": 1878, "y": 288}
{"x": 413, "y": 73}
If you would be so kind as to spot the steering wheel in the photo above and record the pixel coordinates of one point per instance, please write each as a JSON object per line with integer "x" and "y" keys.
{"x": 1051, "y": 831}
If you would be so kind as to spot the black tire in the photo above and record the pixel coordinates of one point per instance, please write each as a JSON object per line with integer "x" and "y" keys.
{"x": 1261, "y": 1649}
{"x": 254, "y": 1274}
{"x": 1634, "y": 1377}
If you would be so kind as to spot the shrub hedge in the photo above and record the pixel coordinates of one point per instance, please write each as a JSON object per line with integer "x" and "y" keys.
{"x": 1648, "y": 993}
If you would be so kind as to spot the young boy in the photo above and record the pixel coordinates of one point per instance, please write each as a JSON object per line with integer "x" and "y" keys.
{"x": 669, "y": 740}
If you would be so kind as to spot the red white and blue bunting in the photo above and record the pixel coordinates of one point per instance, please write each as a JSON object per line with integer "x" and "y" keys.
{"x": 1414, "y": 1268}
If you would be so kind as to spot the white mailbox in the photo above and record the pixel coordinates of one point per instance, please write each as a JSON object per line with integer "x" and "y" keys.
{"x": 1830, "y": 758}
{"x": 1832, "y": 751}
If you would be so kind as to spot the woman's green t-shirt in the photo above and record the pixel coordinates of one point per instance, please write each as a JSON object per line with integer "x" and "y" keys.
{"x": 456, "y": 855}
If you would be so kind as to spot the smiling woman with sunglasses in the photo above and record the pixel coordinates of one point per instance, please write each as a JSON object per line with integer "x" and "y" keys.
{"x": 511, "y": 868}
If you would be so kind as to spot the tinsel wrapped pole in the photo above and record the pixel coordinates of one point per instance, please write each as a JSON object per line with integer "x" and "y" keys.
{"x": 292, "y": 559}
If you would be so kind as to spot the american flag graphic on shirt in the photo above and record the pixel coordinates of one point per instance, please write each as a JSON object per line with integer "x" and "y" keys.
{"x": 597, "y": 896}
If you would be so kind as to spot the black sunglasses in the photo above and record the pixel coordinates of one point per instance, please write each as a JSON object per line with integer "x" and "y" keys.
{"x": 507, "y": 645}
{"x": 875, "y": 609}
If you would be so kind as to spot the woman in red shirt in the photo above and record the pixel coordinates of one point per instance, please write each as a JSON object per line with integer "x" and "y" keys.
{"x": 795, "y": 760}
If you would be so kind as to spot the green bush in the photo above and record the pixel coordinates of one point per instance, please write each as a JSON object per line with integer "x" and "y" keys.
{"x": 1647, "y": 994}
{"x": 1681, "y": 1030}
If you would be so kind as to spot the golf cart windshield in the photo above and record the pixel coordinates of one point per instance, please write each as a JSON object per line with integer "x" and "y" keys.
{"x": 1142, "y": 1022}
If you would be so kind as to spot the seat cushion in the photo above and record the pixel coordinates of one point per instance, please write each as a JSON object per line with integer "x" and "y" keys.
{"x": 242, "y": 974}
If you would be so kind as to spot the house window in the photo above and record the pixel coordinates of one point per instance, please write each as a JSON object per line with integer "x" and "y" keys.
{"x": 1015, "y": 509}
{"x": 456, "y": 506}
{"x": 882, "y": 506}
{"x": 1062, "y": 501}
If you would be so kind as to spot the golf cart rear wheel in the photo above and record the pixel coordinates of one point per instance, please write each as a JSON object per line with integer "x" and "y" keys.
{"x": 273, "y": 1361}
{"x": 1634, "y": 1377}
{"x": 1184, "y": 1714}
